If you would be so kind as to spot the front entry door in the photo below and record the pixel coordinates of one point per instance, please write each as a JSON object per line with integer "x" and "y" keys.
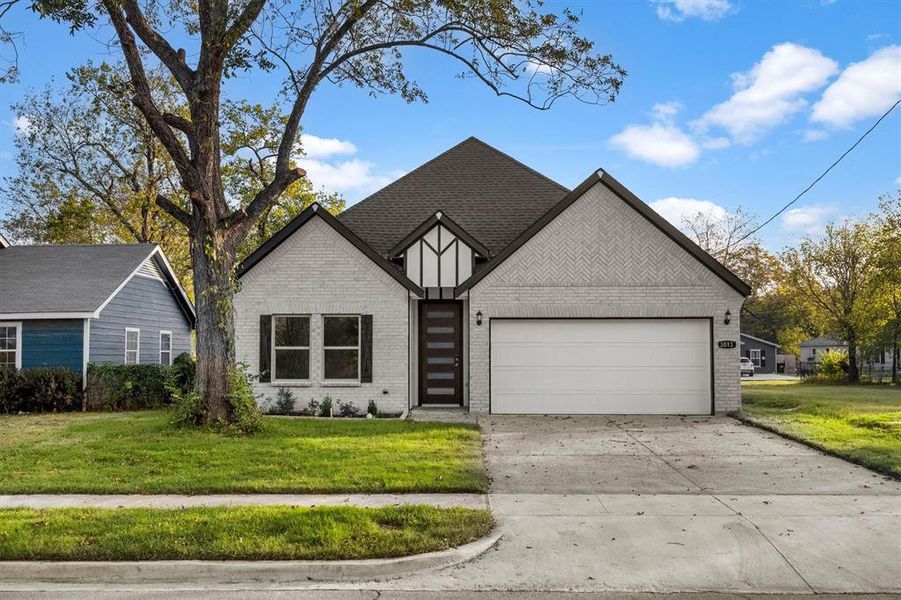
{"x": 440, "y": 352}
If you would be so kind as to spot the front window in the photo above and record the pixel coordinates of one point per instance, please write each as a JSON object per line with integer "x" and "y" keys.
{"x": 10, "y": 346}
{"x": 755, "y": 357}
{"x": 341, "y": 348}
{"x": 291, "y": 348}
{"x": 132, "y": 346}
{"x": 165, "y": 347}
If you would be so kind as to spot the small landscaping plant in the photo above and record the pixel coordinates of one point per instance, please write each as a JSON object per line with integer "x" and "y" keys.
{"x": 832, "y": 368}
{"x": 311, "y": 409}
{"x": 325, "y": 407}
{"x": 372, "y": 410}
{"x": 347, "y": 409}
{"x": 284, "y": 403}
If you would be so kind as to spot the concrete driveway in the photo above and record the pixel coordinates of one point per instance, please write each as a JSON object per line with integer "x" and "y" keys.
{"x": 672, "y": 504}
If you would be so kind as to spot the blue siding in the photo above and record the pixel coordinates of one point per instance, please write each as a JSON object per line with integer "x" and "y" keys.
{"x": 53, "y": 344}
{"x": 146, "y": 304}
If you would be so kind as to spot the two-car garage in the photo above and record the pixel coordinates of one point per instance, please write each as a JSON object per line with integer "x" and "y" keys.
{"x": 601, "y": 366}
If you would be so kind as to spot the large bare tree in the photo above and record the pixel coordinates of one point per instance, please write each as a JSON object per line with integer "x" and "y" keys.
{"x": 514, "y": 47}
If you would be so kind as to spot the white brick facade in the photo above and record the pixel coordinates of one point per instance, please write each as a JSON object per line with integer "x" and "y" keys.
{"x": 316, "y": 271}
{"x": 601, "y": 259}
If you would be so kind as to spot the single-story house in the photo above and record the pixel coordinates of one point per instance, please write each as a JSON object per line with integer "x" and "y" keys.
{"x": 474, "y": 281}
{"x": 761, "y": 352}
{"x": 68, "y": 305}
{"x": 812, "y": 350}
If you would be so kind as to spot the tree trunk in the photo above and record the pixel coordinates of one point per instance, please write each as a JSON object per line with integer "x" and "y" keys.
{"x": 853, "y": 372}
{"x": 214, "y": 291}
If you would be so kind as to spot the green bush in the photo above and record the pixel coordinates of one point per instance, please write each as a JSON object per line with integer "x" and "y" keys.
{"x": 284, "y": 403}
{"x": 325, "y": 407}
{"x": 833, "y": 365}
{"x": 246, "y": 412}
{"x": 182, "y": 372}
{"x": 129, "y": 387}
{"x": 47, "y": 389}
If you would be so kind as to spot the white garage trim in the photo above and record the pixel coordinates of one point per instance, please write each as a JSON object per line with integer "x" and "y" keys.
{"x": 523, "y": 356}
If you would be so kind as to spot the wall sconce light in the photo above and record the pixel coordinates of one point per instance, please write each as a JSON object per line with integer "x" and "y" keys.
{"x": 479, "y": 318}
{"x": 728, "y": 318}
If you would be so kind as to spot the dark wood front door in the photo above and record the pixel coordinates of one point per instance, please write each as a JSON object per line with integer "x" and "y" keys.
{"x": 440, "y": 352}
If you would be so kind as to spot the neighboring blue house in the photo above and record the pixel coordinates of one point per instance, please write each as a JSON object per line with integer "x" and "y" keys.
{"x": 68, "y": 305}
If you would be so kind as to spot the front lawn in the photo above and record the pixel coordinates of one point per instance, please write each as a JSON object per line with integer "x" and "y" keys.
{"x": 236, "y": 533}
{"x": 860, "y": 423}
{"x": 140, "y": 452}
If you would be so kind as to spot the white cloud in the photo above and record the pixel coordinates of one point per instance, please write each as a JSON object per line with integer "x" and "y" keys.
{"x": 675, "y": 209}
{"x": 770, "y": 92}
{"x": 679, "y": 10}
{"x": 815, "y": 135}
{"x": 22, "y": 124}
{"x": 316, "y": 147}
{"x": 864, "y": 89}
{"x": 898, "y": 181}
{"x": 717, "y": 143}
{"x": 666, "y": 111}
{"x": 354, "y": 177}
{"x": 534, "y": 66}
{"x": 659, "y": 143}
{"x": 810, "y": 219}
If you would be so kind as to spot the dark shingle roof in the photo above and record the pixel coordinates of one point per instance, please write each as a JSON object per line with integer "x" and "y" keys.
{"x": 822, "y": 342}
{"x": 64, "y": 279}
{"x": 490, "y": 195}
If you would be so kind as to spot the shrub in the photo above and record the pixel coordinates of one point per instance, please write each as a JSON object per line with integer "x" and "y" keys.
{"x": 246, "y": 414}
{"x": 130, "y": 387}
{"x": 372, "y": 409}
{"x": 325, "y": 407}
{"x": 47, "y": 389}
{"x": 347, "y": 409}
{"x": 182, "y": 372}
{"x": 311, "y": 409}
{"x": 284, "y": 403}
{"x": 833, "y": 366}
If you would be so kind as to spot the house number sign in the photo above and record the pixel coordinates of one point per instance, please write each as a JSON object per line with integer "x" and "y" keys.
{"x": 726, "y": 344}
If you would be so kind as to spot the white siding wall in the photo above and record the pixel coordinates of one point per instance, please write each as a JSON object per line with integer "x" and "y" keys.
{"x": 602, "y": 259}
{"x": 316, "y": 271}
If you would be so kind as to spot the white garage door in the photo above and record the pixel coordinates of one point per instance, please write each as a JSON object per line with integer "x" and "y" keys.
{"x": 621, "y": 366}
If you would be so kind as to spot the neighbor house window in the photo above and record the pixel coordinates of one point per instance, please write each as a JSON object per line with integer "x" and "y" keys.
{"x": 10, "y": 346}
{"x": 341, "y": 348}
{"x": 291, "y": 348}
{"x": 132, "y": 346}
{"x": 755, "y": 357}
{"x": 165, "y": 347}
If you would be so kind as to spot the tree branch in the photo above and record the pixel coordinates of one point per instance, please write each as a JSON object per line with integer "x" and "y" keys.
{"x": 177, "y": 212}
{"x": 241, "y": 219}
{"x": 174, "y": 60}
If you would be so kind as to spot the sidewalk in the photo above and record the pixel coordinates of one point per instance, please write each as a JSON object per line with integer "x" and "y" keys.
{"x": 181, "y": 501}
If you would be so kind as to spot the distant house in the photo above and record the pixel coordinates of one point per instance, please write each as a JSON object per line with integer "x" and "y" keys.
{"x": 66, "y": 306}
{"x": 812, "y": 350}
{"x": 761, "y": 352}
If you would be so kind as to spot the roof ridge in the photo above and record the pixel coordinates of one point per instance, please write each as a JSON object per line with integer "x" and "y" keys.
{"x": 471, "y": 138}
{"x": 134, "y": 245}
{"x": 565, "y": 189}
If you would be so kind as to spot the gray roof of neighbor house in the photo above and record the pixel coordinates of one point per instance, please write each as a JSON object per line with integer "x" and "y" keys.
{"x": 70, "y": 279}
{"x": 493, "y": 197}
{"x": 757, "y": 339}
{"x": 822, "y": 342}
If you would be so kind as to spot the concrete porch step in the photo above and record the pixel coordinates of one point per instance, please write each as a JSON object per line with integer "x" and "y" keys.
{"x": 442, "y": 414}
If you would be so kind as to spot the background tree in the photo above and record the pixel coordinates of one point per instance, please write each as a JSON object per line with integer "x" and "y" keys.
{"x": 887, "y": 277}
{"x": 835, "y": 273}
{"x": 356, "y": 42}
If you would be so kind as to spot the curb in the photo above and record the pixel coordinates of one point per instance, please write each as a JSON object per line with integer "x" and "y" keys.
{"x": 200, "y": 572}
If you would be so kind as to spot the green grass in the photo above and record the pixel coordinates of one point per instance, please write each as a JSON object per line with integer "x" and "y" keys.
{"x": 140, "y": 452}
{"x": 236, "y": 533}
{"x": 860, "y": 423}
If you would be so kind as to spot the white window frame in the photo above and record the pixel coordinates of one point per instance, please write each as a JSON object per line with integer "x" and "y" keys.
{"x": 169, "y": 333}
{"x": 358, "y": 348}
{"x": 274, "y": 348}
{"x": 137, "y": 351}
{"x": 18, "y": 326}
{"x": 755, "y": 360}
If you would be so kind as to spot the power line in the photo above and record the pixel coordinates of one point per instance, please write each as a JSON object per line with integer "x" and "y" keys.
{"x": 823, "y": 174}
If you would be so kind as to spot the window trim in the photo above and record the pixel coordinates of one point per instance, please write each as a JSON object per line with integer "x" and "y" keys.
{"x": 273, "y": 349}
{"x": 137, "y": 350}
{"x": 18, "y": 325}
{"x": 752, "y": 351}
{"x": 162, "y": 333}
{"x": 358, "y": 348}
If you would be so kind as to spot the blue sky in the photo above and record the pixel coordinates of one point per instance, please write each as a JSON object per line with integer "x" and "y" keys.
{"x": 727, "y": 104}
